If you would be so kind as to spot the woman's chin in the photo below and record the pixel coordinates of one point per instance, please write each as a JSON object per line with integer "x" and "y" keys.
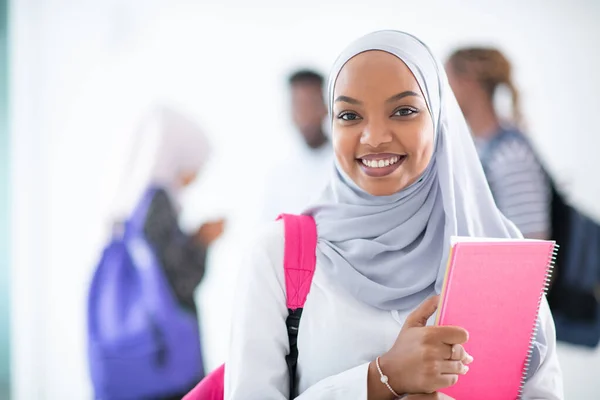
{"x": 385, "y": 185}
{"x": 381, "y": 186}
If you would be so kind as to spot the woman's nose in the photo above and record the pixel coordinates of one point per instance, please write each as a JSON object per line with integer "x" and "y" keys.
{"x": 376, "y": 133}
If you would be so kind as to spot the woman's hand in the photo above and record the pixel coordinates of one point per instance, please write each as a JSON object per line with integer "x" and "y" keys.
{"x": 210, "y": 231}
{"x": 424, "y": 358}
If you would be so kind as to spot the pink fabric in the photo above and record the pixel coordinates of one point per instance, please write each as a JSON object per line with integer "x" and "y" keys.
{"x": 299, "y": 258}
{"x": 209, "y": 388}
{"x": 299, "y": 263}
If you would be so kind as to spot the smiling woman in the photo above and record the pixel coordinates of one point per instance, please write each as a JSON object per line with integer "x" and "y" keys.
{"x": 406, "y": 179}
{"x": 382, "y": 127}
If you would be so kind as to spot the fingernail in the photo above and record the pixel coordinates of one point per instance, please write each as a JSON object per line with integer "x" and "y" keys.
{"x": 465, "y": 369}
{"x": 469, "y": 359}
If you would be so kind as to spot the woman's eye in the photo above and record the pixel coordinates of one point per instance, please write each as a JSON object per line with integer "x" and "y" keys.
{"x": 405, "y": 112}
{"x": 348, "y": 116}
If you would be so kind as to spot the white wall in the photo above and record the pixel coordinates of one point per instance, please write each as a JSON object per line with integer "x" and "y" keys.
{"x": 82, "y": 71}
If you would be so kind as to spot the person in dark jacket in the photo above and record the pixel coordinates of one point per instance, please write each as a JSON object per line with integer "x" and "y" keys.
{"x": 182, "y": 256}
{"x": 172, "y": 152}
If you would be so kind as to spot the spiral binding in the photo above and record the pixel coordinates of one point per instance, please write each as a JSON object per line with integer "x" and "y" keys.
{"x": 534, "y": 331}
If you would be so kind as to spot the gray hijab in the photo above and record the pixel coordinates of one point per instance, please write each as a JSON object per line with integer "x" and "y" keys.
{"x": 391, "y": 251}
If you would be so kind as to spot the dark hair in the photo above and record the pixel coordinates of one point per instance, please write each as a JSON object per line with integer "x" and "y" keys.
{"x": 491, "y": 68}
{"x": 306, "y": 76}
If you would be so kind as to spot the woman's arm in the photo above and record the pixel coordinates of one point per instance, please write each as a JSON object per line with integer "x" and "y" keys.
{"x": 256, "y": 367}
{"x": 546, "y": 382}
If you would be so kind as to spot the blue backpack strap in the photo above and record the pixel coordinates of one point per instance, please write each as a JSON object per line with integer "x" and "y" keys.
{"x": 299, "y": 265}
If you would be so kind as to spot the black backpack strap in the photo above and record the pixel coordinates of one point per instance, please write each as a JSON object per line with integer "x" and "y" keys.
{"x": 299, "y": 265}
{"x": 293, "y": 323}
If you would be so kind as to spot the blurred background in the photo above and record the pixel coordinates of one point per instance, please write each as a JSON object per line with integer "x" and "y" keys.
{"x": 77, "y": 76}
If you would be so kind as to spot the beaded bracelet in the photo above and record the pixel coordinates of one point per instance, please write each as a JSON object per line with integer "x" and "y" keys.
{"x": 385, "y": 380}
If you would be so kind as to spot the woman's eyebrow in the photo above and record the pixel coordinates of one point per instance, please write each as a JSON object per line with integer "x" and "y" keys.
{"x": 401, "y": 96}
{"x": 347, "y": 99}
{"x": 396, "y": 97}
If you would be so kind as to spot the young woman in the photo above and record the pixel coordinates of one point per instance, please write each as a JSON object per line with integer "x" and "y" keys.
{"x": 172, "y": 152}
{"x": 518, "y": 182}
{"x": 181, "y": 151}
{"x": 406, "y": 178}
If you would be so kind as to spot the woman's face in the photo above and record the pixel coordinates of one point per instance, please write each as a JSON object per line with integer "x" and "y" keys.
{"x": 382, "y": 130}
{"x": 187, "y": 178}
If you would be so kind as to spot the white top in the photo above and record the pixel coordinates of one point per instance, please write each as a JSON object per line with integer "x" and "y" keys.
{"x": 338, "y": 337}
{"x": 295, "y": 181}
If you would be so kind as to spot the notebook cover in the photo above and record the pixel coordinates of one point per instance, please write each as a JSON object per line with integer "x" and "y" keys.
{"x": 494, "y": 291}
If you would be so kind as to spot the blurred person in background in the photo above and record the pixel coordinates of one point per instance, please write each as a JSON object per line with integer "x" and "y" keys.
{"x": 525, "y": 192}
{"x": 182, "y": 153}
{"x": 144, "y": 307}
{"x": 303, "y": 174}
{"x": 518, "y": 181}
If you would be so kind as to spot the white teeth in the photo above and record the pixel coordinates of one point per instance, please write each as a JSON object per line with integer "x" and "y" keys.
{"x": 381, "y": 163}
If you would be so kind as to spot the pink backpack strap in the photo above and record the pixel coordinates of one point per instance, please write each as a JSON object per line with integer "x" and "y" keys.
{"x": 299, "y": 257}
{"x": 299, "y": 264}
{"x": 210, "y": 388}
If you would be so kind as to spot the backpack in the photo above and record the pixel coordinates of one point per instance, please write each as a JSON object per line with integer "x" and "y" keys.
{"x": 299, "y": 265}
{"x": 574, "y": 297}
{"x": 574, "y": 294}
{"x": 141, "y": 343}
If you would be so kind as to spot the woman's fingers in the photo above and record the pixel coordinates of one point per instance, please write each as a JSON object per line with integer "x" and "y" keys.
{"x": 458, "y": 353}
{"x": 450, "y": 372}
{"x": 447, "y": 380}
{"x": 452, "y": 352}
{"x": 450, "y": 367}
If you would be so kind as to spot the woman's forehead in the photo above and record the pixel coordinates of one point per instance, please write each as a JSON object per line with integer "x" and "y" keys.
{"x": 376, "y": 70}
{"x": 415, "y": 55}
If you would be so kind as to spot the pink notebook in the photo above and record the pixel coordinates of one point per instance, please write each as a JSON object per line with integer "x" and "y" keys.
{"x": 493, "y": 288}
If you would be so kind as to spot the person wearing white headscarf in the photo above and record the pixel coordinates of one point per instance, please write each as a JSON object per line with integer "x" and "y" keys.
{"x": 173, "y": 152}
{"x": 407, "y": 177}
{"x": 170, "y": 152}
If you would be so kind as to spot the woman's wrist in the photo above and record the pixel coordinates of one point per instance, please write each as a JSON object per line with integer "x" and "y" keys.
{"x": 377, "y": 389}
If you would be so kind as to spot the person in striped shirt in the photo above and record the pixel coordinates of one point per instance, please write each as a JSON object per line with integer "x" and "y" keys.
{"x": 515, "y": 175}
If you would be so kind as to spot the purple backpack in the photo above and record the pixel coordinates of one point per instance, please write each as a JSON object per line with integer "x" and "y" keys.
{"x": 141, "y": 343}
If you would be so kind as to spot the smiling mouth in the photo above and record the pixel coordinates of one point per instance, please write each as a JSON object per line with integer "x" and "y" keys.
{"x": 379, "y": 165}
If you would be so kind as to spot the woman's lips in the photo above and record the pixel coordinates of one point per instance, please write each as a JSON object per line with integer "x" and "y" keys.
{"x": 382, "y": 164}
